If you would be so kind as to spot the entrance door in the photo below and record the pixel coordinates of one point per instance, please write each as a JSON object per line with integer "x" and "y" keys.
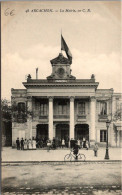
{"x": 42, "y": 131}
{"x": 62, "y": 131}
{"x": 82, "y": 131}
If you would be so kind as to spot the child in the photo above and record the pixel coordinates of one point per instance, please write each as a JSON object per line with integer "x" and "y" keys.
{"x": 95, "y": 149}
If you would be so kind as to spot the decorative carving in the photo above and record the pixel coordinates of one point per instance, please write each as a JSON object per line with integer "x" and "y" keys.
{"x": 60, "y": 72}
{"x": 29, "y": 98}
{"x": 60, "y": 60}
{"x": 92, "y": 76}
{"x": 50, "y": 98}
{"x": 93, "y": 98}
{"x": 72, "y": 99}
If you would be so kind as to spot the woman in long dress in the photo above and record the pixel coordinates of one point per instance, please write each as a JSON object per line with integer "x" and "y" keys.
{"x": 63, "y": 143}
{"x": 87, "y": 144}
{"x": 34, "y": 144}
{"x": 30, "y": 144}
{"x": 25, "y": 144}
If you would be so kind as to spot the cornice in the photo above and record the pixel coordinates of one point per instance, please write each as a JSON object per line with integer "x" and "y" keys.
{"x": 60, "y": 85}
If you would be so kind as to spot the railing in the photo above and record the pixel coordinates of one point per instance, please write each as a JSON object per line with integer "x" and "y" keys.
{"x": 43, "y": 117}
{"x": 81, "y": 116}
{"x": 61, "y": 116}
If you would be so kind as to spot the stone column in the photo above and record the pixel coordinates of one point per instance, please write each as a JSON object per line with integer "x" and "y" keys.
{"x": 50, "y": 126}
{"x": 71, "y": 118}
{"x": 29, "y": 117}
{"x": 92, "y": 116}
{"x": 54, "y": 130}
{"x": 113, "y": 106}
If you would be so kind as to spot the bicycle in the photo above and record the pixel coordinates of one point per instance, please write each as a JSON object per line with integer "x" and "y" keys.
{"x": 70, "y": 156}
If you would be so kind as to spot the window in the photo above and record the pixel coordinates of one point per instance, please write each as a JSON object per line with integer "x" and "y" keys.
{"x": 62, "y": 108}
{"x": 21, "y": 107}
{"x": 103, "y": 108}
{"x": 103, "y": 136}
{"x": 43, "y": 109}
{"x": 81, "y": 108}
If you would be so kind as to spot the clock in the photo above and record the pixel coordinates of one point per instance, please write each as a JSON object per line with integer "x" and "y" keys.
{"x": 60, "y": 72}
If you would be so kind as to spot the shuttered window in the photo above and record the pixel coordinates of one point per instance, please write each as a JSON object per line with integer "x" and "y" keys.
{"x": 103, "y": 136}
{"x": 81, "y": 108}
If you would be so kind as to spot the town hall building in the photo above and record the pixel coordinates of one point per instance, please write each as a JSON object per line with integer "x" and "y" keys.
{"x": 62, "y": 106}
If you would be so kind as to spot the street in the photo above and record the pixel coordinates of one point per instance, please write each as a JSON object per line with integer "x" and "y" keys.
{"x": 58, "y": 178}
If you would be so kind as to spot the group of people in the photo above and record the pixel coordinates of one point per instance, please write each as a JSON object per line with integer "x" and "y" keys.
{"x": 83, "y": 143}
{"x": 55, "y": 142}
{"x": 32, "y": 144}
{"x": 24, "y": 144}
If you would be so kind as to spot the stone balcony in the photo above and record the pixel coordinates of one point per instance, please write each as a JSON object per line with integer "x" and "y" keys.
{"x": 43, "y": 117}
{"x": 102, "y": 118}
{"x": 81, "y": 117}
{"x": 64, "y": 117}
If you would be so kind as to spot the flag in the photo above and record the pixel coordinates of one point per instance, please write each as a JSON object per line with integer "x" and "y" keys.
{"x": 65, "y": 48}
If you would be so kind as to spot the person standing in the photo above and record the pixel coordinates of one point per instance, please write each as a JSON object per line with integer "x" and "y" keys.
{"x": 78, "y": 141}
{"x": 84, "y": 142}
{"x": 18, "y": 144}
{"x": 34, "y": 144}
{"x": 63, "y": 142}
{"x": 87, "y": 145}
{"x": 54, "y": 143}
{"x": 30, "y": 144}
{"x": 48, "y": 145}
{"x": 95, "y": 149}
{"x": 22, "y": 144}
{"x": 67, "y": 141}
{"x": 25, "y": 144}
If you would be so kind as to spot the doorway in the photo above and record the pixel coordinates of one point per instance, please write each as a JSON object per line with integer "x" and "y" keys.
{"x": 62, "y": 131}
{"x": 82, "y": 131}
{"x": 42, "y": 131}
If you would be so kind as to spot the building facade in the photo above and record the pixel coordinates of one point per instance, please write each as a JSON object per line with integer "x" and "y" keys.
{"x": 63, "y": 106}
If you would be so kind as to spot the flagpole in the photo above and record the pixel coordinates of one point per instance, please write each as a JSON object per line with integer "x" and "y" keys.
{"x": 61, "y": 38}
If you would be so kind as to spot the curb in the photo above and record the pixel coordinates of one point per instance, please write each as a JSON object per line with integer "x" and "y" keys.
{"x": 61, "y": 162}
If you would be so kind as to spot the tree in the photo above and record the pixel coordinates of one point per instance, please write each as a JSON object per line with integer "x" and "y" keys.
{"x": 6, "y": 110}
{"x": 117, "y": 116}
{"x": 6, "y": 122}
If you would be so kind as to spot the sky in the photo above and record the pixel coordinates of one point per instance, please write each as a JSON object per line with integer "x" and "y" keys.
{"x": 31, "y": 39}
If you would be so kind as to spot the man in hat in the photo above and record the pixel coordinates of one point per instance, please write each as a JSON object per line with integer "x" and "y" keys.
{"x": 22, "y": 144}
{"x": 75, "y": 151}
{"x": 18, "y": 144}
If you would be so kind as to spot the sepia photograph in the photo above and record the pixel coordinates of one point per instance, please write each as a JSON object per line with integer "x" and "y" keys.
{"x": 61, "y": 97}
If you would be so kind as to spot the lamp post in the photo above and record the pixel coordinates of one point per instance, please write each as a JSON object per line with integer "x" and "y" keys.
{"x": 107, "y": 125}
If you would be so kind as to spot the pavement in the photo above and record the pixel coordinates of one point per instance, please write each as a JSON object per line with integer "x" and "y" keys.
{"x": 87, "y": 178}
{"x": 13, "y": 155}
{"x": 42, "y": 172}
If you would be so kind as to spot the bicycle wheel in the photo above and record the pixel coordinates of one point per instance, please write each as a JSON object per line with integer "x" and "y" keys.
{"x": 81, "y": 157}
{"x": 67, "y": 157}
